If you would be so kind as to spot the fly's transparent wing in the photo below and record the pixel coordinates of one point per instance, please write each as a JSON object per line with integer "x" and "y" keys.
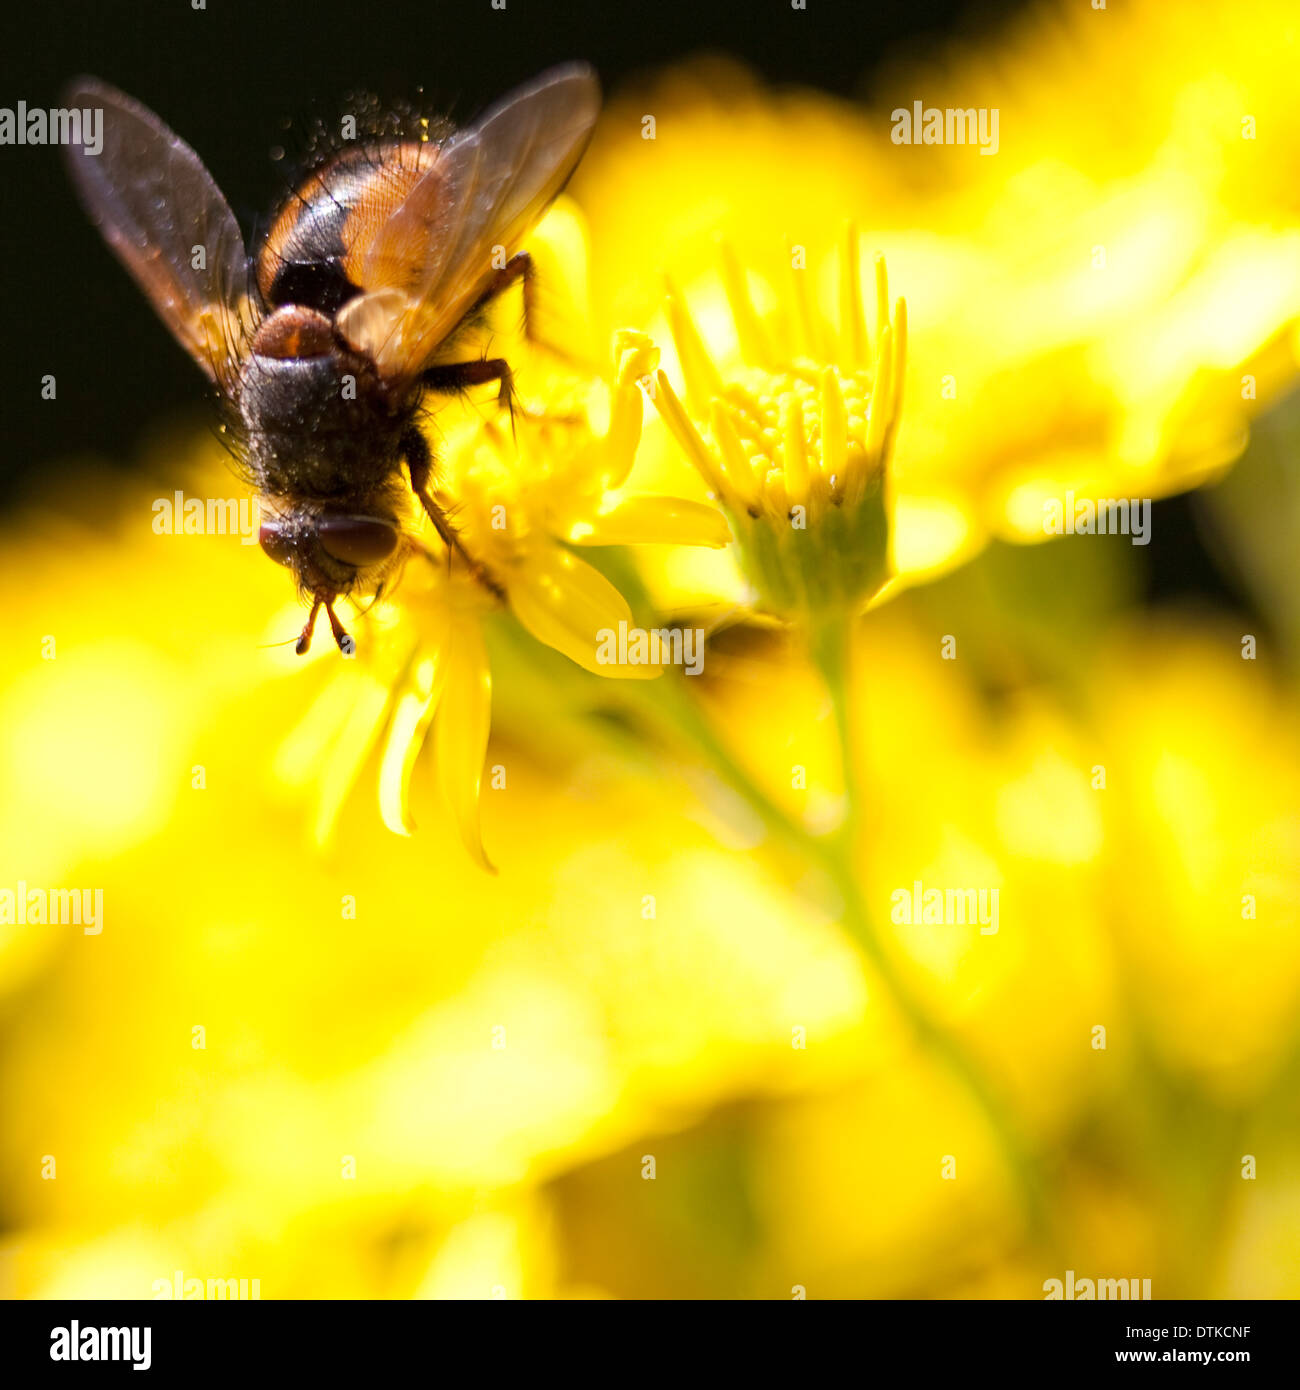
{"x": 434, "y": 256}
{"x": 168, "y": 223}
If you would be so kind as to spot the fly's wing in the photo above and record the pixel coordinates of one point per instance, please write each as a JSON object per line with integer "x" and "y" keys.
{"x": 432, "y": 258}
{"x": 168, "y": 223}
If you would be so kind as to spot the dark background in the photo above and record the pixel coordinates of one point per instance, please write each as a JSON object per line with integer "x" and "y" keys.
{"x": 228, "y": 78}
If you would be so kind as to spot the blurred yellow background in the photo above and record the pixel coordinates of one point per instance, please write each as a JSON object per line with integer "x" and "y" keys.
{"x": 646, "y": 1059}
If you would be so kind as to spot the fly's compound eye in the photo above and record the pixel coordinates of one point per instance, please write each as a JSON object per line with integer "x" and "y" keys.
{"x": 275, "y": 543}
{"x": 357, "y": 540}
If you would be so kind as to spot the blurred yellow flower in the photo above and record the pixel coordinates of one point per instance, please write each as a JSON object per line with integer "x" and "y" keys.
{"x": 480, "y": 1167}
{"x": 348, "y": 1003}
{"x": 1209, "y": 928}
{"x": 1099, "y": 308}
{"x": 379, "y": 1072}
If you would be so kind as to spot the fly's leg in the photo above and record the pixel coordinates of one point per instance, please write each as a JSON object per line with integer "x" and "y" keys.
{"x": 450, "y": 377}
{"x": 420, "y": 464}
{"x": 520, "y": 267}
{"x": 342, "y": 638}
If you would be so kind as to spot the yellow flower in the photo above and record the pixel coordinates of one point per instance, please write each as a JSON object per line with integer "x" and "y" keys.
{"x": 521, "y": 493}
{"x": 1101, "y": 306}
{"x": 521, "y": 501}
{"x": 626, "y": 1035}
{"x": 226, "y": 1155}
{"x": 503, "y": 1053}
{"x": 794, "y": 441}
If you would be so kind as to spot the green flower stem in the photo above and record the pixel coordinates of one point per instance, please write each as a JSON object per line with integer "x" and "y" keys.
{"x": 834, "y": 855}
{"x": 829, "y": 645}
{"x": 669, "y": 698}
{"x": 831, "y": 651}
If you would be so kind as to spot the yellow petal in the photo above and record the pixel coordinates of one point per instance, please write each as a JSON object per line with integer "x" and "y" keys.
{"x": 655, "y": 521}
{"x": 461, "y": 734}
{"x": 406, "y": 734}
{"x": 636, "y": 357}
{"x": 298, "y": 759}
{"x": 348, "y": 756}
{"x": 569, "y": 605}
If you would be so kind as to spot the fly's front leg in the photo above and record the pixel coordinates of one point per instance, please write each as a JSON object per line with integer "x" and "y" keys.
{"x": 420, "y": 464}
{"x": 520, "y": 267}
{"x": 449, "y": 377}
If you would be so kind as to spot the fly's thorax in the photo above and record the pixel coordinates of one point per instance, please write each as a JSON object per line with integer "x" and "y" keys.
{"x": 319, "y": 420}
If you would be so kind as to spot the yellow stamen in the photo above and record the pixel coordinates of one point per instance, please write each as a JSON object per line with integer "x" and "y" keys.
{"x": 900, "y": 366}
{"x": 685, "y": 433}
{"x": 881, "y": 397}
{"x": 835, "y": 435}
{"x": 882, "y": 305}
{"x": 795, "y": 446}
{"x": 698, "y": 370}
{"x": 754, "y": 347}
{"x": 736, "y": 467}
{"x": 809, "y": 338}
{"x": 853, "y": 324}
